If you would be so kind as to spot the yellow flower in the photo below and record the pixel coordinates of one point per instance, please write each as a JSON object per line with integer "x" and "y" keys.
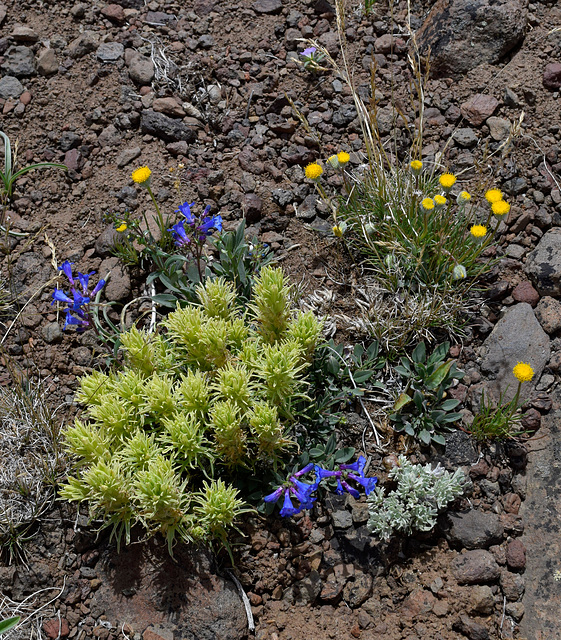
{"x": 478, "y": 231}
{"x": 447, "y": 180}
{"x": 439, "y": 200}
{"x": 493, "y": 195}
{"x": 343, "y": 158}
{"x": 416, "y": 167}
{"x": 463, "y": 196}
{"x": 523, "y": 372}
{"x": 427, "y": 204}
{"x": 313, "y": 171}
{"x": 500, "y": 208}
{"x": 141, "y": 176}
{"x": 122, "y": 227}
{"x": 337, "y": 231}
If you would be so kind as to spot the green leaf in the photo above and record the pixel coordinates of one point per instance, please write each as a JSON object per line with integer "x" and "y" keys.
{"x": 418, "y": 400}
{"x": 344, "y": 455}
{"x": 420, "y": 353}
{"x": 438, "y": 438}
{"x": 362, "y": 376}
{"x": 165, "y": 299}
{"x": 402, "y": 371}
{"x": 9, "y": 623}
{"x": 438, "y": 377}
{"x": 403, "y": 400}
{"x": 316, "y": 452}
{"x": 451, "y": 417}
{"x": 409, "y": 430}
{"x": 424, "y": 436}
{"x": 449, "y": 404}
{"x": 372, "y": 351}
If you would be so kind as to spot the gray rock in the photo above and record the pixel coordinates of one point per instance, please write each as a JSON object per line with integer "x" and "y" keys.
{"x": 267, "y": 6}
{"x": 21, "y": 33}
{"x": 282, "y": 197}
{"x": 515, "y": 610}
{"x": 515, "y": 251}
{"x": 475, "y": 567}
{"x": 465, "y": 137}
{"x": 552, "y": 76}
{"x": 109, "y": 137}
{"x": 52, "y": 333}
{"x": 482, "y": 600}
{"x": 47, "y": 64}
{"x": 358, "y": 591}
{"x": 307, "y": 210}
{"x": 165, "y": 128}
{"x": 128, "y": 155}
{"x": 462, "y": 34}
{"x": 517, "y": 337}
{"x": 69, "y": 140}
{"x": 307, "y": 590}
{"x": 106, "y": 241}
{"x": 85, "y": 43}
{"x": 543, "y": 264}
{"x": 10, "y": 87}
{"x": 515, "y": 186}
{"x": 141, "y": 69}
{"x": 110, "y": 51}
{"x": 3, "y": 11}
{"x": 460, "y": 449}
{"x": 474, "y": 529}
{"x": 20, "y": 62}
{"x": 342, "y": 519}
{"x": 499, "y": 128}
{"x": 118, "y": 285}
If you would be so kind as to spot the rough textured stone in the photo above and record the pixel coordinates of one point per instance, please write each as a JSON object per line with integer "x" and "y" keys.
{"x": 168, "y": 129}
{"x": 525, "y": 292}
{"x": 548, "y": 313}
{"x": 118, "y": 285}
{"x": 128, "y": 155}
{"x": 55, "y": 628}
{"x": 10, "y": 87}
{"x": 106, "y": 241}
{"x": 481, "y": 600}
{"x": 499, "y": 128}
{"x": 552, "y": 76}
{"x": 47, "y": 64}
{"x": 21, "y": 33}
{"x": 358, "y": 591}
{"x": 418, "y": 603}
{"x": 460, "y": 449}
{"x": 475, "y": 529}
{"x": 158, "y": 584}
{"x": 512, "y": 585}
{"x": 478, "y": 108}
{"x": 470, "y": 628}
{"x": 463, "y": 34}
{"x": 475, "y": 567}
{"x": 267, "y": 6}
{"x": 85, "y": 43}
{"x": 110, "y": 51}
{"x": 141, "y": 68}
{"x": 19, "y": 62}
{"x": 52, "y": 333}
{"x": 543, "y": 265}
{"x": 168, "y": 106}
{"x": 114, "y": 12}
{"x": 465, "y": 137}
{"x": 517, "y": 337}
{"x": 516, "y": 555}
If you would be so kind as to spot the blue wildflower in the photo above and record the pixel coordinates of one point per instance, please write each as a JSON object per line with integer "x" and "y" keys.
{"x": 83, "y": 279}
{"x": 98, "y": 287}
{"x": 288, "y": 509}
{"x": 66, "y": 268}
{"x": 185, "y": 210}
{"x": 273, "y": 497}
{"x": 369, "y": 484}
{"x": 179, "y": 234}
{"x": 308, "y": 52}
{"x": 60, "y": 296}
{"x": 357, "y": 466}
{"x": 209, "y": 224}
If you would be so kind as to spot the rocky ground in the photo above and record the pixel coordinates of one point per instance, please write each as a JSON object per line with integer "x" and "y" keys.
{"x": 105, "y": 88}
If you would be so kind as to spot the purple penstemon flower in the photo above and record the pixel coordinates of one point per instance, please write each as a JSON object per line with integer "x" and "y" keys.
{"x": 288, "y": 509}
{"x": 180, "y": 234}
{"x": 77, "y": 307}
{"x": 185, "y": 210}
{"x": 308, "y": 52}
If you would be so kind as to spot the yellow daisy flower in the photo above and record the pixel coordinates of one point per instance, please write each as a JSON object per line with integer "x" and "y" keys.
{"x": 141, "y": 176}
{"x": 500, "y": 208}
{"x": 478, "y": 231}
{"x": 122, "y": 227}
{"x": 447, "y": 180}
{"x": 343, "y": 158}
{"x": 463, "y": 196}
{"x": 427, "y": 204}
{"x": 416, "y": 167}
{"x": 440, "y": 201}
{"x": 337, "y": 231}
{"x": 523, "y": 372}
{"x": 313, "y": 171}
{"x": 493, "y": 195}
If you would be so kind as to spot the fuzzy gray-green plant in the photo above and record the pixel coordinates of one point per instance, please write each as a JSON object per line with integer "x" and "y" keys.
{"x": 210, "y": 394}
{"x": 421, "y": 493}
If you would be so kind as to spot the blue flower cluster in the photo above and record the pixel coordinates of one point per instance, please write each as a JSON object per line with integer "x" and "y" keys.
{"x": 194, "y": 228}
{"x": 302, "y": 491}
{"x": 77, "y": 311}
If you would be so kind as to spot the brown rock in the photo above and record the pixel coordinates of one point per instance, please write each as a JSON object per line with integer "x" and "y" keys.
{"x": 512, "y": 585}
{"x": 55, "y": 628}
{"x": 552, "y": 75}
{"x": 531, "y": 420}
{"x": 516, "y": 555}
{"x": 512, "y": 503}
{"x": 525, "y": 292}
{"x": 513, "y": 524}
{"x": 475, "y": 567}
{"x": 25, "y": 98}
{"x": 472, "y": 629}
{"x": 478, "y": 108}
{"x": 548, "y": 313}
{"x": 114, "y": 12}
{"x": 21, "y": 33}
{"x": 169, "y": 106}
{"x": 47, "y": 64}
{"x": 479, "y": 470}
{"x": 482, "y": 600}
{"x": 418, "y": 602}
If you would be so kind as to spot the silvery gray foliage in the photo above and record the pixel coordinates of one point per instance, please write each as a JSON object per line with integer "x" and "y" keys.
{"x": 421, "y": 493}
